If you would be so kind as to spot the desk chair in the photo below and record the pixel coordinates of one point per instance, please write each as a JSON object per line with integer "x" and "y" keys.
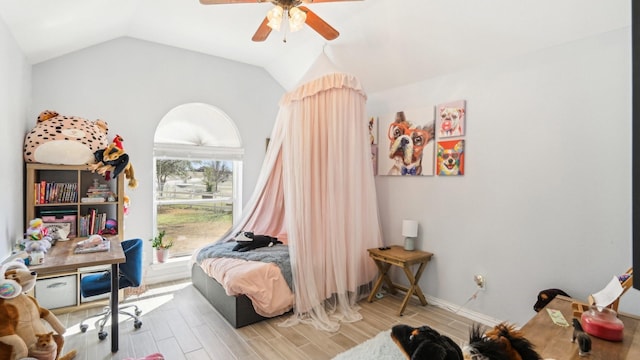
{"x": 100, "y": 283}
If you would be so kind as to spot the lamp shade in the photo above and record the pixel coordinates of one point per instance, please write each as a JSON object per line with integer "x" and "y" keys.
{"x": 409, "y": 228}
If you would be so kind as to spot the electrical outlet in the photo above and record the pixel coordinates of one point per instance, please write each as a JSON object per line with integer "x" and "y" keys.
{"x": 480, "y": 281}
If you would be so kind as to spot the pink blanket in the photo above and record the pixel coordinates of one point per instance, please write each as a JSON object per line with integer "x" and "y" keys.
{"x": 263, "y": 283}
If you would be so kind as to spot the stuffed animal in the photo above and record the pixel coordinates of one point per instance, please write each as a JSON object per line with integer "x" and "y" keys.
{"x": 21, "y": 318}
{"x": 112, "y": 160}
{"x": 68, "y": 140}
{"x": 45, "y": 347}
{"x": 36, "y": 230}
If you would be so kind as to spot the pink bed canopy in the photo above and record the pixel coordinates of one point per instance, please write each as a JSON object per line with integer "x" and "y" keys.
{"x": 316, "y": 192}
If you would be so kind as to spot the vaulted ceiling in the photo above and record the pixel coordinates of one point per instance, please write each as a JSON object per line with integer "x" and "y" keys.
{"x": 385, "y": 43}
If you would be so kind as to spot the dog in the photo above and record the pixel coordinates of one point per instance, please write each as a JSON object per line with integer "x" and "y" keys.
{"x": 450, "y": 156}
{"x": 545, "y": 297}
{"x": 503, "y": 342}
{"x": 425, "y": 343}
{"x": 451, "y": 121}
{"x": 406, "y": 145}
{"x": 584, "y": 341}
{"x": 372, "y": 137}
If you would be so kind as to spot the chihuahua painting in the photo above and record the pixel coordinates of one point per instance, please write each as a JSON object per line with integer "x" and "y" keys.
{"x": 451, "y": 157}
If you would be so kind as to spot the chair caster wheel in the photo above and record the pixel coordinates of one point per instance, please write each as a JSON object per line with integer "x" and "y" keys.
{"x": 137, "y": 324}
{"x": 102, "y": 335}
{"x": 138, "y": 312}
{"x": 84, "y": 327}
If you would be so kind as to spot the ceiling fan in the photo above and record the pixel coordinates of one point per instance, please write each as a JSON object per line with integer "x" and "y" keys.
{"x": 289, "y": 11}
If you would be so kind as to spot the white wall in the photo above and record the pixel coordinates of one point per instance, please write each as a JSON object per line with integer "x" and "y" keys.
{"x": 546, "y": 196}
{"x": 132, "y": 84}
{"x": 15, "y": 81}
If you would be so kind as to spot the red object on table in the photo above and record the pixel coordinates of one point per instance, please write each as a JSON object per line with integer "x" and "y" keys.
{"x": 602, "y": 323}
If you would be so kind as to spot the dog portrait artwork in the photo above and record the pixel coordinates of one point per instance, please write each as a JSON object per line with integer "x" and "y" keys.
{"x": 410, "y": 146}
{"x": 373, "y": 130}
{"x": 451, "y": 119}
{"x": 450, "y": 158}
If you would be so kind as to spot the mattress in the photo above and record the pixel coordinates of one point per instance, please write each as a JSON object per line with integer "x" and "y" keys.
{"x": 260, "y": 274}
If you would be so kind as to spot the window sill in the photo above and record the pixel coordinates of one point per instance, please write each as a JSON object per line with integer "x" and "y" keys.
{"x": 172, "y": 269}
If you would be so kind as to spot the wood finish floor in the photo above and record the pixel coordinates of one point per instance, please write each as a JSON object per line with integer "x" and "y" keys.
{"x": 179, "y": 323}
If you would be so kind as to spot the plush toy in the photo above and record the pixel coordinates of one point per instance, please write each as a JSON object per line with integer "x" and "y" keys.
{"x": 68, "y": 140}
{"x": 126, "y": 205}
{"x": 21, "y": 318}
{"x": 36, "y": 240}
{"x": 36, "y": 230}
{"x": 112, "y": 160}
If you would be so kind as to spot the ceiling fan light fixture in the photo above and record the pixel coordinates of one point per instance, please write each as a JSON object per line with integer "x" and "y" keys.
{"x": 297, "y": 19}
{"x": 275, "y": 17}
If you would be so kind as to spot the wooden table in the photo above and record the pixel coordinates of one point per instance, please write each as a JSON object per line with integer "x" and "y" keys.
{"x": 398, "y": 256}
{"x": 553, "y": 341}
{"x": 61, "y": 258}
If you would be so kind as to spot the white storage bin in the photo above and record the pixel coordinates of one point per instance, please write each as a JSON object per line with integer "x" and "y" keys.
{"x": 57, "y": 292}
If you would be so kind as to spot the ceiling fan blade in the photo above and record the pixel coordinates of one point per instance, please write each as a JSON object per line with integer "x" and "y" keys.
{"x": 218, "y": 2}
{"x": 263, "y": 31}
{"x": 319, "y": 25}
{"x": 322, "y": 1}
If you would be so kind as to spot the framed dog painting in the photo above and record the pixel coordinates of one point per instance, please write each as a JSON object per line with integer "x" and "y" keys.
{"x": 406, "y": 143}
{"x": 373, "y": 140}
{"x": 450, "y": 119}
{"x": 450, "y": 158}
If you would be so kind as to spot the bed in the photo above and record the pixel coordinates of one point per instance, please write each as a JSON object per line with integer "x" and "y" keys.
{"x": 245, "y": 287}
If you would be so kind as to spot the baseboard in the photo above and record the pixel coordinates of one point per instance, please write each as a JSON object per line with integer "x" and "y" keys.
{"x": 469, "y": 314}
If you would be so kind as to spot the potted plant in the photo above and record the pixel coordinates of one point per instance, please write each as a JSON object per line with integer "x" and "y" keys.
{"x": 162, "y": 246}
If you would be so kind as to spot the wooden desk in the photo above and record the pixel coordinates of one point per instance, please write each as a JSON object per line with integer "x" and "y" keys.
{"x": 398, "y": 256}
{"x": 61, "y": 258}
{"x": 553, "y": 341}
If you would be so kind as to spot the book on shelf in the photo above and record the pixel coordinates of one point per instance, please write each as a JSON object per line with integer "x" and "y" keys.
{"x": 55, "y": 193}
{"x": 92, "y": 222}
{"x": 90, "y": 199}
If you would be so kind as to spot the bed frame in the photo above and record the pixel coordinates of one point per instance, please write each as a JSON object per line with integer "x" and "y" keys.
{"x": 238, "y": 310}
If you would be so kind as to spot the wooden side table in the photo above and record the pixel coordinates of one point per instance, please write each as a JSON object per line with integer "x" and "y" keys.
{"x": 398, "y": 256}
{"x": 553, "y": 341}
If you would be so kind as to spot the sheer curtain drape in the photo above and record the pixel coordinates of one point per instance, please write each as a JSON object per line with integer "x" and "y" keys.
{"x": 330, "y": 198}
{"x": 316, "y": 192}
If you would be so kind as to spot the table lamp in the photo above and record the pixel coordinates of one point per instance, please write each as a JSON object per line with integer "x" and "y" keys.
{"x": 409, "y": 231}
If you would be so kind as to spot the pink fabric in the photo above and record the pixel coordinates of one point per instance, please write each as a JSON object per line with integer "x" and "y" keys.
{"x": 316, "y": 192}
{"x": 263, "y": 283}
{"x": 330, "y": 198}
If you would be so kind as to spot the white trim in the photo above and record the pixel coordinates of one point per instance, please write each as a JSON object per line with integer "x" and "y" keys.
{"x": 195, "y": 152}
{"x": 462, "y": 311}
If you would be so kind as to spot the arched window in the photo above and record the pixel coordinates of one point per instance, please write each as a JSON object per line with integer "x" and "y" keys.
{"x": 198, "y": 167}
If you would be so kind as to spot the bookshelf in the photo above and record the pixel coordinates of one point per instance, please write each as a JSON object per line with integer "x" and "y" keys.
{"x": 71, "y": 195}
{"x": 71, "y": 198}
